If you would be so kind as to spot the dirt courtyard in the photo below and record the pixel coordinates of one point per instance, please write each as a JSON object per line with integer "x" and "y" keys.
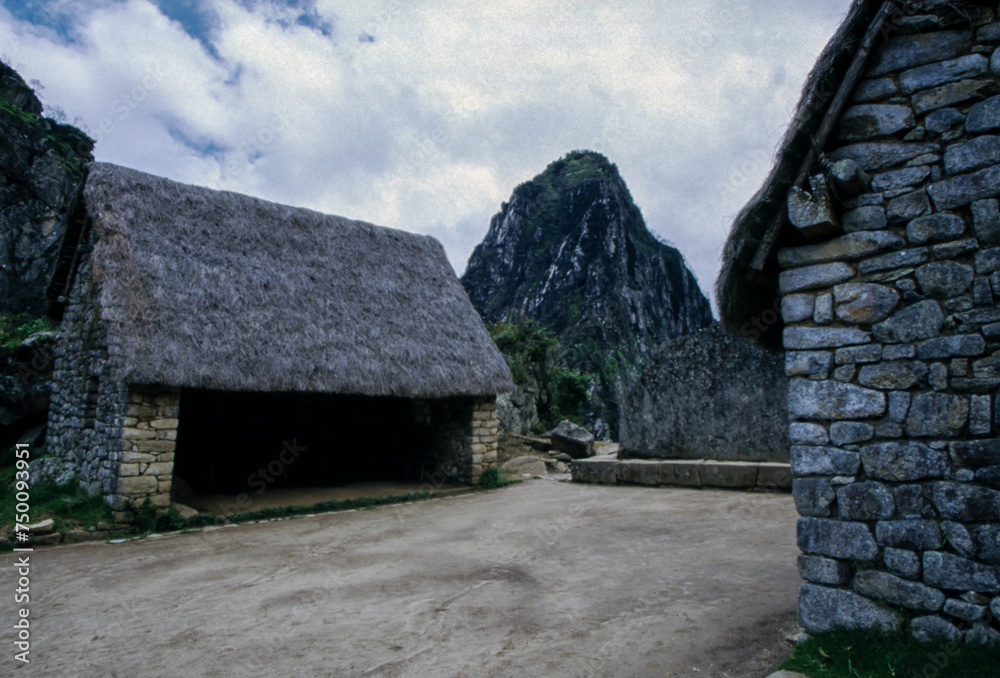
{"x": 539, "y": 579}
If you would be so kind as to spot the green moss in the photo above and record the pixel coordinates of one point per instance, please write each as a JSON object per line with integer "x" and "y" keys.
{"x": 146, "y": 519}
{"x": 72, "y": 146}
{"x": 493, "y": 478}
{"x": 16, "y": 327}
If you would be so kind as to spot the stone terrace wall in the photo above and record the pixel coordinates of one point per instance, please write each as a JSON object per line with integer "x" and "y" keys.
{"x": 708, "y": 395}
{"x": 893, "y": 345}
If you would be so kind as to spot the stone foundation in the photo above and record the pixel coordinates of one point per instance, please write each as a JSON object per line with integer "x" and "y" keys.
{"x": 683, "y": 473}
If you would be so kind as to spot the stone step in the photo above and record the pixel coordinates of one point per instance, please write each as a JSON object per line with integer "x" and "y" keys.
{"x": 683, "y": 473}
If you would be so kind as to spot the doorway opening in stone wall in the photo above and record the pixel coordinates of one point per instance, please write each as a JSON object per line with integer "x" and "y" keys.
{"x": 239, "y": 452}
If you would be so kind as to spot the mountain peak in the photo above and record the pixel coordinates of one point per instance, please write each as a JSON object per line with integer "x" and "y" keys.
{"x": 570, "y": 249}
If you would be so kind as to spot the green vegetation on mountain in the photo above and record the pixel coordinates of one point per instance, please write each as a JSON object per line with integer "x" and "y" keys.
{"x": 532, "y": 353}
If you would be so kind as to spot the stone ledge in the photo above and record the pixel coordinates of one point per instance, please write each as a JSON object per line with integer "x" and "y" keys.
{"x": 683, "y": 473}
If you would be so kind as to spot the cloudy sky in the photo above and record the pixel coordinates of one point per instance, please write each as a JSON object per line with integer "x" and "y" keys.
{"x": 425, "y": 114}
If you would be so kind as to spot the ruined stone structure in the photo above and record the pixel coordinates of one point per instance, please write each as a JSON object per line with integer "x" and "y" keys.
{"x": 885, "y": 250}
{"x": 224, "y": 334}
{"x": 708, "y": 395}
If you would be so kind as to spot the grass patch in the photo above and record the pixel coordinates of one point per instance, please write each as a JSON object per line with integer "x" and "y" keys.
{"x": 16, "y": 327}
{"x": 72, "y": 147}
{"x": 71, "y": 507}
{"x": 68, "y": 505}
{"x": 856, "y": 654}
{"x": 493, "y": 478}
{"x": 329, "y": 506}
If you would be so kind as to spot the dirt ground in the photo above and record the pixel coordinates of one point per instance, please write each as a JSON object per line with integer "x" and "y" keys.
{"x": 539, "y": 579}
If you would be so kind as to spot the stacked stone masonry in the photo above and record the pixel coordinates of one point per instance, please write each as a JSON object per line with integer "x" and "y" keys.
{"x": 892, "y": 345}
{"x": 146, "y": 461}
{"x": 482, "y": 437}
{"x": 116, "y": 441}
{"x": 87, "y": 406}
{"x": 463, "y": 437}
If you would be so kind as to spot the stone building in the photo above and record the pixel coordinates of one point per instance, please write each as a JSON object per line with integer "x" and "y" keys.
{"x": 878, "y": 229}
{"x": 240, "y": 344}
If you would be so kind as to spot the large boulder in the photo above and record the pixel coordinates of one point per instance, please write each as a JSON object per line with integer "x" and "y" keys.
{"x": 527, "y": 465}
{"x": 574, "y": 440}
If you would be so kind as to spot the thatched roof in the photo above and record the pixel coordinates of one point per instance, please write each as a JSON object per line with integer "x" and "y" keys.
{"x": 742, "y": 293}
{"x": 211, "y": 289}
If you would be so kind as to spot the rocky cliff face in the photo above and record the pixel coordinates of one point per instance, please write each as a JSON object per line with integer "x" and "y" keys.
{"x": 41, "y": 170}
{"x": 571, "y": 250}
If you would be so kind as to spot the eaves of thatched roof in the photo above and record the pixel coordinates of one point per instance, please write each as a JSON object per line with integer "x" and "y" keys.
{"x": 743, "y": 292}
{"x": 747, "y": 288}
{"x": 211, "y": 289}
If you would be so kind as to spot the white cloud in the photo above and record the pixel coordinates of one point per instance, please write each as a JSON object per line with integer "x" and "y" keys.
{"x": 425, "y": 115}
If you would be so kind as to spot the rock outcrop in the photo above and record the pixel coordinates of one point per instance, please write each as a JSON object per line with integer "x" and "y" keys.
{"x": 571, "y": 250}
{"x": 573, "y": 440}
{"x": 41, "y": 171}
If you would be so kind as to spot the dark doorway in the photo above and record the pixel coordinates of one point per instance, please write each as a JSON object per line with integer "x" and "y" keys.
{"x": 245, "y": 442}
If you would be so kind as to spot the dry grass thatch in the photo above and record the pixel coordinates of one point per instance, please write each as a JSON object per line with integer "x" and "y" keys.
{"x": 741, "y": 294}
{"x": 211, "y": 289}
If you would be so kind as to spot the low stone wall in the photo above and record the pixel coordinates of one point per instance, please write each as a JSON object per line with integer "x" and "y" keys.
{"x": 682, "y": 473}
{"x": 708, "y": 395}
{"x": 482, "y": 438}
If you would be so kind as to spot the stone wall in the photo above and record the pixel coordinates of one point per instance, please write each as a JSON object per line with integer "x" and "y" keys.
{"x": 86, "y": 406}
{"x": 116, "y": 441}
{"x": 708, "y": 395}
{"x": 148, "y": 439}
{"x": 893, "y": 348}
{"x": 463, "y": 437}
